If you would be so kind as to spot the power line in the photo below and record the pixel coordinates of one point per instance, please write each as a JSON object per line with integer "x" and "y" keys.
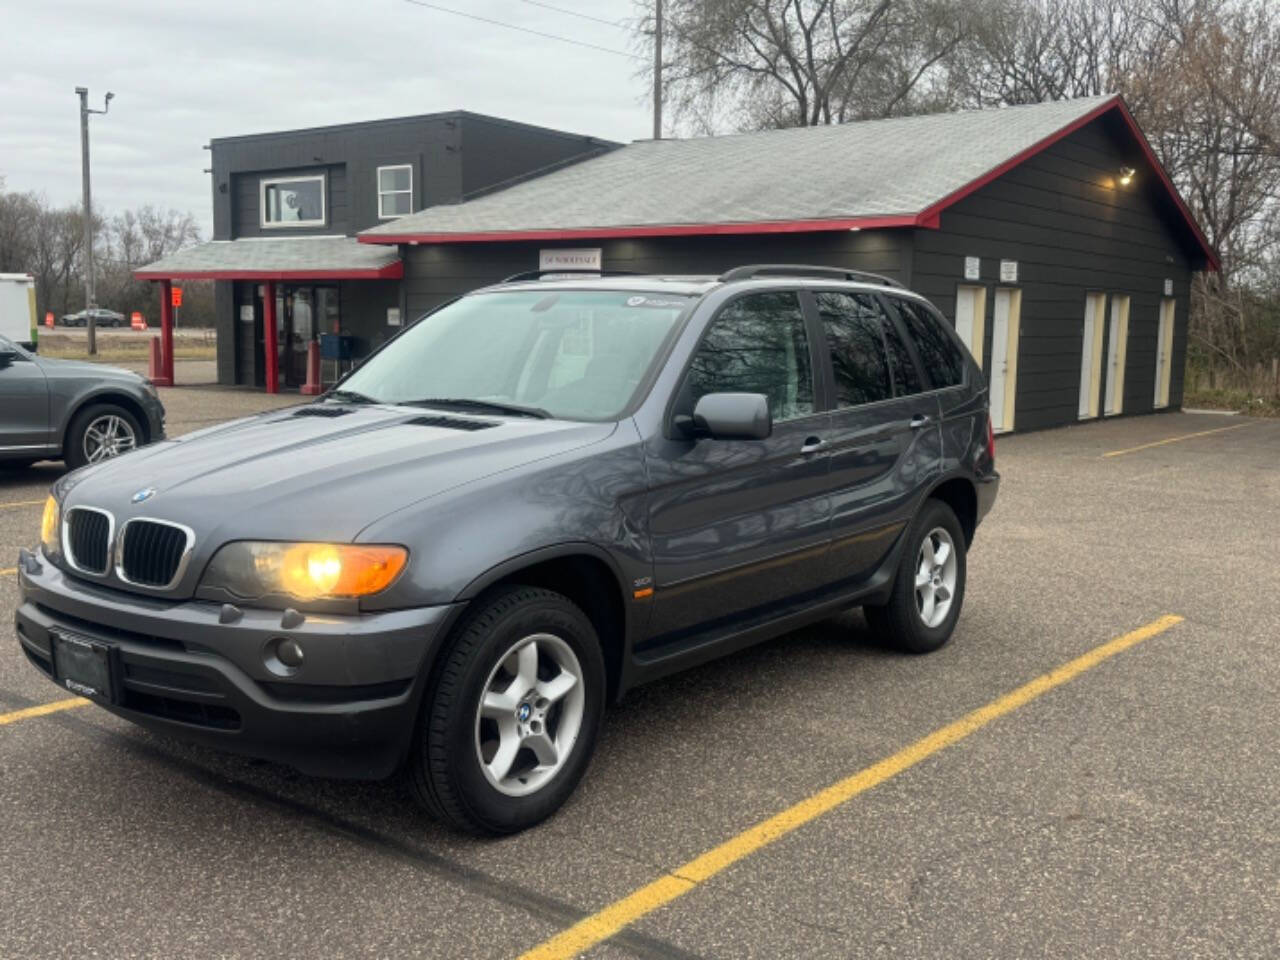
{"x": 536, "y": 33}
{"x": 574, "y": 13}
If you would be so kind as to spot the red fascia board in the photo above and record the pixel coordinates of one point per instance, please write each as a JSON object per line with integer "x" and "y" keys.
{"x": 392, "y": 271}
{"x": 659, "y": 230}
{"x": 1114, "y": 103}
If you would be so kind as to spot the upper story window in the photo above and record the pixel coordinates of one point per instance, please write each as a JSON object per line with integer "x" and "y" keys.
{"x": 395, "y": 191}
{"x": 293, "y": 202}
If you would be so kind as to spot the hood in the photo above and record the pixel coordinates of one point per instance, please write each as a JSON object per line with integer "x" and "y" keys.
{"x": 317, "y": 471}
{"x": 56, "y": 366}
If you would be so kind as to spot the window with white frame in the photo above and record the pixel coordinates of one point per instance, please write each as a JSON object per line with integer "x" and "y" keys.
{"x": 293, "y": 201}
{"x": 395, "y": 191}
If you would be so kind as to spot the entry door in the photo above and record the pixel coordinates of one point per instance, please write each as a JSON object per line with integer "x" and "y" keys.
{"x": 739, "y": 527}
{"x": 1117, "y": 351}
{"x": 1003, "y": 376}
{"x": 1095, "y": 309}
{"x": 1164, "y": 352}
{"x": 971, "y": 311}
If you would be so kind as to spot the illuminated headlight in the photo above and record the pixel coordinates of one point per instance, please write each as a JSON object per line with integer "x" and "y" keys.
{"x": 251, "y": 569}
{"x": 51, "y": 528}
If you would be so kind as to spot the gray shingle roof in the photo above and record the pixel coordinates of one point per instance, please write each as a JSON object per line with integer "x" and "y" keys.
{"x": 878, "y": 168}
{"x": 275, "y": 257}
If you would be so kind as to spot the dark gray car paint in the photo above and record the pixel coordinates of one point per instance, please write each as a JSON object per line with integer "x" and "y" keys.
{"x": 40, "y": 396}
{"x": 742, "y": 539}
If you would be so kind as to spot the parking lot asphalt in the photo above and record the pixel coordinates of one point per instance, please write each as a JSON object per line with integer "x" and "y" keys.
{"x": 1131, "y": 808}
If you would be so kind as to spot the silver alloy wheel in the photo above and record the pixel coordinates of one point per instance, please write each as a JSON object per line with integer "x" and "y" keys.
{"x": 530, "y": 714}
{"x": 108, "y": 436}
{"x": 936, "y": 571}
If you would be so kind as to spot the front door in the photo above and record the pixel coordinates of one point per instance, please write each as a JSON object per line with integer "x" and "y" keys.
{"x": 1164, "y": 352}
{"x": 1095, "y": 307}
{"x": 1117, "y": 348}
{"x": 24, "y": 405}
{"x": 971, "y": 309}
{"x": 740, "y": 527}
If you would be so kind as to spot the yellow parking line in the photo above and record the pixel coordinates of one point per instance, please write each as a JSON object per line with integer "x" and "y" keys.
{"x": 43, "y": 709}
{"x": 8, "y": 571}
{"x": 20, "y": 503}
{"x": 1185, "y": 436}
{"x": 601, "y": 926}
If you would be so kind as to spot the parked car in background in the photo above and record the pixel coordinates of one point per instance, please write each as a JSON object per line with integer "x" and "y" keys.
{"x": 102, "y": 317}
{"x": 79, "y": 412}
{"x": 18, "y": 309}
{"x": 531, "y": 500}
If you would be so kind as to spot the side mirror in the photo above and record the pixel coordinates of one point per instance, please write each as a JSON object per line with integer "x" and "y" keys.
{"x": 8, "y": 355}
{"x": 733, "y": 416}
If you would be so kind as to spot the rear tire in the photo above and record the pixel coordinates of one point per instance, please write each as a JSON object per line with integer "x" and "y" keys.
{"x": 511, "y": 713}
{"x": 928, "y": 590}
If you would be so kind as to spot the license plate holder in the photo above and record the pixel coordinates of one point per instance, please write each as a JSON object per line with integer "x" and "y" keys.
{"x": 84, "y": 666}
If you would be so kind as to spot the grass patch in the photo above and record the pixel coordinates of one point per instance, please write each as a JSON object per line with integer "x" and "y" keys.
{"x": 1241, "y": 401}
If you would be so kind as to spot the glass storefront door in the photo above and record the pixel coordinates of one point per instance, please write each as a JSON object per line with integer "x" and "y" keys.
{"x": 304, "y": 313}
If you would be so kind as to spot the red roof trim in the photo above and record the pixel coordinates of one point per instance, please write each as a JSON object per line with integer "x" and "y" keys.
{"x": 392, "y": 271}
{"x": 1114, "y": 103}
{"x": 659, "y": 230}
{"x": 928, "y": 218}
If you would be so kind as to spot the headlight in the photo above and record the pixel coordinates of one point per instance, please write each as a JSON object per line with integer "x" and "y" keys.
{"x": 51, "y": 527}
{"x": 251, "y": 569}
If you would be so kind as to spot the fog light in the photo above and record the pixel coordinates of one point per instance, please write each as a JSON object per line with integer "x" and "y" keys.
{"x": 289, "y": 652}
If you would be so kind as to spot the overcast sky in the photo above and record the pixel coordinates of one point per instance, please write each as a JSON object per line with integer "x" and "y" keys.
{"x": 185, "y": 71}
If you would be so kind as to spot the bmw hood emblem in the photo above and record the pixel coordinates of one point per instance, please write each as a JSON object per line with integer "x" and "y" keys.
{"x": 143, "y": 495}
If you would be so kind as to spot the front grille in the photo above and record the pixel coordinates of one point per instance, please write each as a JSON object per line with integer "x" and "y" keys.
{"x": 151, "y": 552}
{"x": 183, "y": 711}
{"x": 88, "y": 539}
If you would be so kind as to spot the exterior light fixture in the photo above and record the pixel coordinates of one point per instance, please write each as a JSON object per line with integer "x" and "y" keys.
{"x": 1126, "y": 176}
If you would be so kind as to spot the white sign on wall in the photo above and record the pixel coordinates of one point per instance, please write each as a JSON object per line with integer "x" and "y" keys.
{"x": 393, "y": 316}
{"x": 1168, "y": 288}
{"x": 246, "y": 312}
{"x": 1008, "y": 271}
{"x": 972, "y": 268}
{"x": 583, "y": 258}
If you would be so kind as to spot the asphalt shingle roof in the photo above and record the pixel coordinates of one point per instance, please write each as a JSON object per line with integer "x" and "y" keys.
{"x": 877, "y": 168}
{"x": 289, "y": 256}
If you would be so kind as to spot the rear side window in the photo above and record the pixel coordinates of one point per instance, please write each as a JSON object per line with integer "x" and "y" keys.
{"x": 757, "y": 345}
{"x": 939, "y": 353}
{"x": 906, "y": 378}
{"x": 854, "y": 324}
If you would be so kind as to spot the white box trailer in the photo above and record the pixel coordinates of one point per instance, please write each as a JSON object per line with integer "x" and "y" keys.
{"x": 18, "y": 309}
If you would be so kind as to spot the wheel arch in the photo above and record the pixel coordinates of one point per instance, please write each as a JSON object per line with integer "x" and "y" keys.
{"x": 587, "y": 575}
{"x": 120, "y": 399}
{"x": 961, "y": 495}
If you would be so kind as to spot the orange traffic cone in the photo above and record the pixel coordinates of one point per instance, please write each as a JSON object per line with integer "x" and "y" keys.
{"x": 137, "y": 322}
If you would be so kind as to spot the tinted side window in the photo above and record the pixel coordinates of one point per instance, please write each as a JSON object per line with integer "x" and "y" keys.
{"x": 906, "y": 378}
{"x": 939, "y": 353}
{"x": 854, "y": 324}
{"x": 757, "y": 345}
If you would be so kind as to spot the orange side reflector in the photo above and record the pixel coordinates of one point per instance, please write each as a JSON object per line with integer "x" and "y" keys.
{"x": 642, "y": 594}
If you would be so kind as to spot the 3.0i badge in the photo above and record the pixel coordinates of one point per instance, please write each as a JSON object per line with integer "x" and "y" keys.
{"x": 143, "y": 495}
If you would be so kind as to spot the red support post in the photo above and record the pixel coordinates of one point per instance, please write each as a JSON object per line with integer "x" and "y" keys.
{"x": 269, "y": 337}
{"x": 165, "y": 378}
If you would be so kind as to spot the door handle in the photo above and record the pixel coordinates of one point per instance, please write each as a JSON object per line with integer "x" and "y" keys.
{"x": 920, "y": 420}
{"x": 813, "y": 445}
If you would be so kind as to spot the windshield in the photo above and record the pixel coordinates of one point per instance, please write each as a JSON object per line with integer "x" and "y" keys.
{"x": 571, "y": 354}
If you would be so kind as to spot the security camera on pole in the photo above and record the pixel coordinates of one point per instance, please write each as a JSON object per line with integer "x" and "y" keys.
{"x": 90, "y": 302}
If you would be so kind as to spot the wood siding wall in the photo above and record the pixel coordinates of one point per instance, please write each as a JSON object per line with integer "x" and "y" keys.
{"x": 1073, "y": 231}
{"x": 436, "y": 273}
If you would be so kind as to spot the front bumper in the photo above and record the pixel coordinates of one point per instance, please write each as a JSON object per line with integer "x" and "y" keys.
{"x": 348, "y": 711}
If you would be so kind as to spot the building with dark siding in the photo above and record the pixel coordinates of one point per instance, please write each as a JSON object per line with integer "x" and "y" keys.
{"x": 1048, "y": 234}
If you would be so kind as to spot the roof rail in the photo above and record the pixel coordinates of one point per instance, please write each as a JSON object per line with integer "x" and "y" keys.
{"x": 576, "y": 271}
{"x": 799, "y": 270}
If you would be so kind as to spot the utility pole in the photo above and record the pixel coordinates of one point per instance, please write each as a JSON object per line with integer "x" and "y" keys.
{"x": 657, "y": 70}
{"x": 89, "y": 297}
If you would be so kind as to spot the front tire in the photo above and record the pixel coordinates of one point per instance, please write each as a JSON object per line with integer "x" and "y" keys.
{"x": 99, "y": 432}
{"x": 511, "y": 715}
{"x": 928, "y": 589}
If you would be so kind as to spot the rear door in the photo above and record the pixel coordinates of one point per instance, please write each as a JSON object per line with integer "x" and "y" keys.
{"x": 884, "y": 431}
{"x": 739, "y": 527}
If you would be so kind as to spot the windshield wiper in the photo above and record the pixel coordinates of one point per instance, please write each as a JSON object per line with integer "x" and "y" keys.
{"x": 350, "y": 396}
{"x": 493, "y": 406}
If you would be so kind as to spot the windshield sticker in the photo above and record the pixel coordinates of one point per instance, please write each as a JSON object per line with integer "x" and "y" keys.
{"x": 659, "y": 302}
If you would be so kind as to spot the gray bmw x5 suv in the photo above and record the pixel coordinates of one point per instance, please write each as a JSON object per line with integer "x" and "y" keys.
{"x": 533, "y": 499}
